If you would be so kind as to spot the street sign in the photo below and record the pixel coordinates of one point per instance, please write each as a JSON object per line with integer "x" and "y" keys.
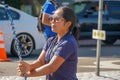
{"x": 99, "y": 34}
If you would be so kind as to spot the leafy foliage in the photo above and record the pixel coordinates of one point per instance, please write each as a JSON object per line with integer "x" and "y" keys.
{"x": 14, "y": 3}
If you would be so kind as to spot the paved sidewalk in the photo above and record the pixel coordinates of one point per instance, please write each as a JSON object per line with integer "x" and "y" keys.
{"x": 109, "y": 75}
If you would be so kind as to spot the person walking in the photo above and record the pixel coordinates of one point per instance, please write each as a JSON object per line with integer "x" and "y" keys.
{"x": 58, "y": 59}
{"x": 48, "y": 8}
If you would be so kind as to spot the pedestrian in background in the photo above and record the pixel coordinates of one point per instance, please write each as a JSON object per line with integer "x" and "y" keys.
{"x": 43, "y": 24}
{"x": 58, "y": 59}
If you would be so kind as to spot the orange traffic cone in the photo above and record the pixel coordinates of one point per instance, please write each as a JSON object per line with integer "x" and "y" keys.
{"x": 3, "y": 56}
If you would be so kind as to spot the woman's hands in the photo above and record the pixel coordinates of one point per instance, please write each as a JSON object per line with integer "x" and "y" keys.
{"x": 23, "y": 68}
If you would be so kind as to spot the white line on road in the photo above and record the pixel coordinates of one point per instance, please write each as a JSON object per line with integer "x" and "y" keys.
{"x": 105, "y": 64}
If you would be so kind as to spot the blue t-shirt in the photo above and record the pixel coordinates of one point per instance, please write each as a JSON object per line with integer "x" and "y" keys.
{"x": 66, "y": 48}
{"x": 48, "y": 8}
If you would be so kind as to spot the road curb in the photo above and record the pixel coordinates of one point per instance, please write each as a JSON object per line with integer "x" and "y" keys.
{"x": 105, "y": 75}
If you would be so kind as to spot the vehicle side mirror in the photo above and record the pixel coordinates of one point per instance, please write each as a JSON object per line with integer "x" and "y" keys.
{"x": 89, "y": 11}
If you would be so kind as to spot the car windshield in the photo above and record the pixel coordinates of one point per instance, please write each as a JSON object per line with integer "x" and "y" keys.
{"x": 3, "y": 14}
{"x": 79, "y": 7}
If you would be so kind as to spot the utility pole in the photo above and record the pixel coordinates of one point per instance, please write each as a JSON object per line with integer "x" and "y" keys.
{"x": 98, "y": 52}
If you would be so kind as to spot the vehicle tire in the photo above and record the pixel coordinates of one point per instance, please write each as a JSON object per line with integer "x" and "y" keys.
{"x": 109, "y": 41}
{"x": 26, "y": 45}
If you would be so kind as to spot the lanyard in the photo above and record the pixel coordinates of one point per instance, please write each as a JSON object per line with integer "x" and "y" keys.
{"x": 14, "y": 33}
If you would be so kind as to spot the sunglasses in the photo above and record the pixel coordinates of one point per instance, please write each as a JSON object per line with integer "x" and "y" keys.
{"x": 56, "y": 19}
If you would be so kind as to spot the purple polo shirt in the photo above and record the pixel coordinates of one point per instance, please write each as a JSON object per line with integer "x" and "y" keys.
{"x": 66, "y": 48}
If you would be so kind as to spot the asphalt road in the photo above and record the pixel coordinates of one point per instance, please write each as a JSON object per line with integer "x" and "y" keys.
{"x": 109, "y": 61}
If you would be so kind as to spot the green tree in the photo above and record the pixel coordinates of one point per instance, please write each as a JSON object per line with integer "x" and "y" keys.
{"x": 41, "y": 1}
{"x": 14, "y": 3}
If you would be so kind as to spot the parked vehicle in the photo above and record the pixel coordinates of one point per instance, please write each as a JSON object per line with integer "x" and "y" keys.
{"x": 26, "y": 31}
{"x": 87, "y": 15}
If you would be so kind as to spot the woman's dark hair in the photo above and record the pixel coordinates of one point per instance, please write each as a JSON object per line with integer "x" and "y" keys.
{"x": 69, "y": 15}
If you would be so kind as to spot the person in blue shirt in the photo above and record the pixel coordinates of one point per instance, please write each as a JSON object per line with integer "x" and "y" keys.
{"x": 58, "y": 59}
{"x": 48, "y": 8}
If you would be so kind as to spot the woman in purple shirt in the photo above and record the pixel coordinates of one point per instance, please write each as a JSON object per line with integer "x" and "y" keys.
{"x": 58, "y": 59}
